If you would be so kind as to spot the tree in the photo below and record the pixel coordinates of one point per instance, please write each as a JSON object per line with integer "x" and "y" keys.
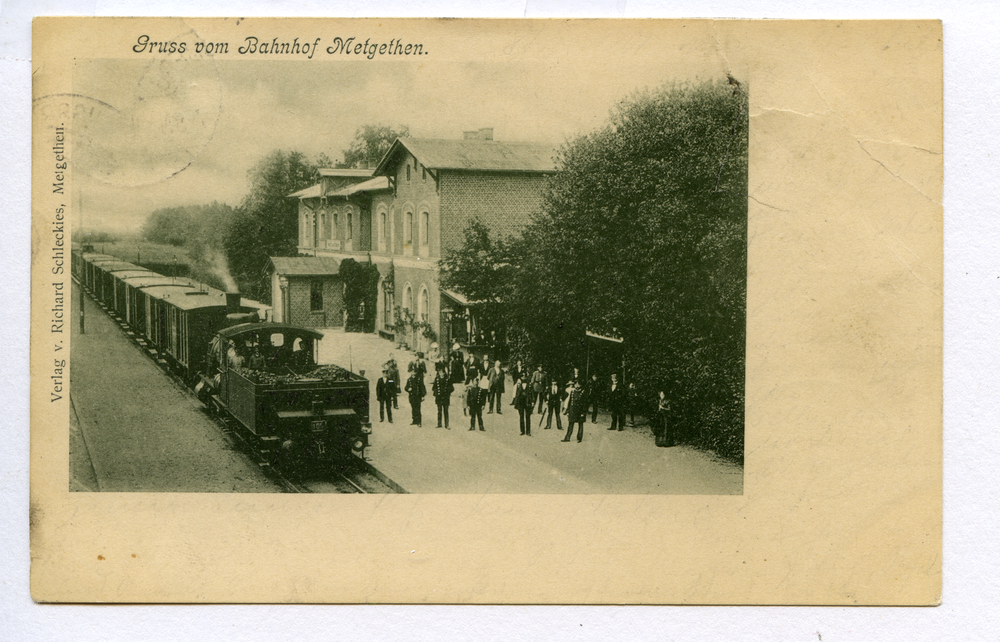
{"x": 360, "y": 294}
{"x": 483, "y": 270}
{"x": 370, "y": 143}
{"x": 266, "y": 222}
{"x": 642, "y": 236}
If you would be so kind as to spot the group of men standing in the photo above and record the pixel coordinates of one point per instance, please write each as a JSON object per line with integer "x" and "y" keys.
{"x": 483, "y": 386}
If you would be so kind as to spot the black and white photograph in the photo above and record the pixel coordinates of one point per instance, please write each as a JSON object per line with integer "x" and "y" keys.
{"x": 477, "y": 311}
{"x": 405, "y": 275}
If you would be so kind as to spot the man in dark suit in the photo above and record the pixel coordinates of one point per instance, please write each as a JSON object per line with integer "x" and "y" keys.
{"x": 616, "y": 404}
{"x": 539, "y": 382}
{"x": 576, "y": 409}
{"x": 553, "y": 404}
{"x": 385, "y": 392}
{"x": 496, "y": 376}
{"x": 592, "y": 394}
{"x": 524, "y": 403}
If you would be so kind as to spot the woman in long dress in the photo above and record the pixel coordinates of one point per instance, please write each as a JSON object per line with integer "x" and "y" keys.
{"x": 661, "y": 428}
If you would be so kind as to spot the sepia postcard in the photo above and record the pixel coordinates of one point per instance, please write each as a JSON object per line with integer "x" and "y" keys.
{"x": 486, "y": 311}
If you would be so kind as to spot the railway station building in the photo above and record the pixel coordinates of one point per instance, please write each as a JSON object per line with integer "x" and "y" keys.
{"x": 404, "y": 215}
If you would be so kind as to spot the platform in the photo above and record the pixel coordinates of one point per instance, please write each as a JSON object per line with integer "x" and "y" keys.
{"x": 434, "y": 460}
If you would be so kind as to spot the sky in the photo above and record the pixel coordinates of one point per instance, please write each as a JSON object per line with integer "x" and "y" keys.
{"x": 149, "y": 134}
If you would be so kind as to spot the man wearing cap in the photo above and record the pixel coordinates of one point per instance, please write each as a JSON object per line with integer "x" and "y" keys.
{"x": 475, "y": 396}
{"x": 417, "y": 391}
{"x": 576, "y": 409}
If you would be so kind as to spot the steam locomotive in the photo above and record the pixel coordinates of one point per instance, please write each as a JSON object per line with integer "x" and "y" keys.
{"x": 262, "y": 374}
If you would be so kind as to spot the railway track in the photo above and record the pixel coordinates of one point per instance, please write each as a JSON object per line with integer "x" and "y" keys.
{"x": 360, "y": 477}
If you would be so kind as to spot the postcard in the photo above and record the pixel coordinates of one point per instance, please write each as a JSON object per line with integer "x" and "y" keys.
{"x": 486, "y": 311}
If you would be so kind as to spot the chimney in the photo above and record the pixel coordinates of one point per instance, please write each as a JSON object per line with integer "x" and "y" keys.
{"x": 232, "y": 302}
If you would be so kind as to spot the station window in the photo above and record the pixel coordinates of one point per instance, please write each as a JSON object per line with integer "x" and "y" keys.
{"x": 350, "y": 225}
{"x": 425, "y": 228}
{"x": 316, "y": 296}
{"x": 407, "y": 172}
{"x": 423, "y": 305}
{"x": 408, "y": 229}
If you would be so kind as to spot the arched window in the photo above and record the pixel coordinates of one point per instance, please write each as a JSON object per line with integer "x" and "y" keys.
{"x": 350, "y": 224}
{"x": 392, "y": 230}
{"x": 423, "y": 304}
{"x": 322, "y": 226}
{"x": 336, "y": 225}
{"x": 408, "y": 229}
{"x": 408, "y": 298}
{"x": 425, "y": 227}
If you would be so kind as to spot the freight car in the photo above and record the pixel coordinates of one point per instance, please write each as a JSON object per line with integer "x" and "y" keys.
{"x": 264, "y": 375}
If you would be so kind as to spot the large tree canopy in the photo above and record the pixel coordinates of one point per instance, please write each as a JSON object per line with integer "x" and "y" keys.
{"x": 370, "y": 143}
{"x": 266, "y": 223}
{"x": 642, "y": 236}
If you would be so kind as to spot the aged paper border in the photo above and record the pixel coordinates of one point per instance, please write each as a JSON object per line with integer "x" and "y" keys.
{"x": 831, "y": 533}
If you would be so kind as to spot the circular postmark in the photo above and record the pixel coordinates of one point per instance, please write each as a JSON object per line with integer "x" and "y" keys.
{"x": 139, "y": 121}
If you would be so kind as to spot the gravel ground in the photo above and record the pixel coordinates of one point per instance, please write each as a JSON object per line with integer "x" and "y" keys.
{"x": 139, "y": 429}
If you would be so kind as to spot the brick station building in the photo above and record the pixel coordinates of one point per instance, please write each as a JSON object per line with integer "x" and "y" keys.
{"x": 408, "y": 212}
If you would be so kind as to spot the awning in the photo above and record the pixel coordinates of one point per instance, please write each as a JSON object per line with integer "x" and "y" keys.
{"x": 602, "y": 337}
{"x": 458, "y": 298}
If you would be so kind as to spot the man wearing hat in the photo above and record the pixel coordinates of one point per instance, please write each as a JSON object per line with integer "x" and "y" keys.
{"x": 385, "y": 393}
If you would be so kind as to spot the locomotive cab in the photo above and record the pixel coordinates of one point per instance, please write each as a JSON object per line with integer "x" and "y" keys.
{"x": 266, "y": 377}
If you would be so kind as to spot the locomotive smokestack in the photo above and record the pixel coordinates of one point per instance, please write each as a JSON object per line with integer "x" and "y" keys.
{"x": 232, "y": 302}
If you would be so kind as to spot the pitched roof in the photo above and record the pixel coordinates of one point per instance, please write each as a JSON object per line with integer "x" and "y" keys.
{"x": 316, "y": 191}
{"x": 305, "y": 265}
{"x": 330, "y": 171}
{"x": 473, "y": 154}
{"x": 313, "y": 191}
{"x": 371, "y": 185}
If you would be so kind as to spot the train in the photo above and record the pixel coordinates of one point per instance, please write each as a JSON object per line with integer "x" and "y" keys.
{"x": 262, "y": 375}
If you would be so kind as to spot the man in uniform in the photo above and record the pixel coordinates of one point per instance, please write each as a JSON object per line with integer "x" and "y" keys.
{"x": 576, "y": 409}
{"x": 417, "y": 391}
{"x": 442, "y": 389}
{"x": 475, "y": 396}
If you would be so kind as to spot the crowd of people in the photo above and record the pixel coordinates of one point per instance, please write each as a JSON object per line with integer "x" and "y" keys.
{"x": 481, "y": 385}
